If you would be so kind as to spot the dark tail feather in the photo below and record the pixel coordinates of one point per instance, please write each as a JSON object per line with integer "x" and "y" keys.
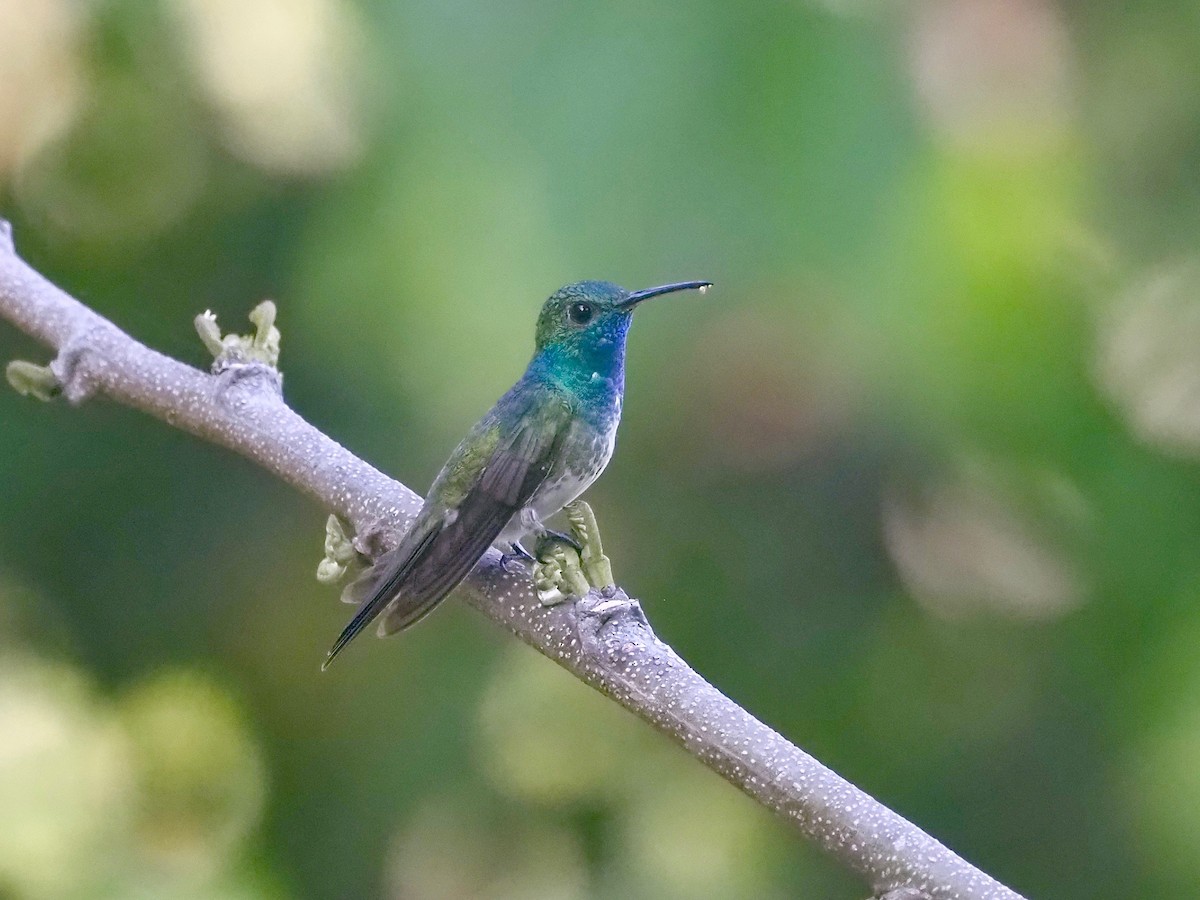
{"x": 408, "y": 606}
{"x": 429, "y": 563}
{"x": 375, "y": 589}
{"x": 365, "y": 615}
{"x": 448, "y": 561}
{"x": 408, "y": 611}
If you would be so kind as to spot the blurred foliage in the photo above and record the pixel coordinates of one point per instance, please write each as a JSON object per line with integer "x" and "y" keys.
{"x": 916, "y": 483}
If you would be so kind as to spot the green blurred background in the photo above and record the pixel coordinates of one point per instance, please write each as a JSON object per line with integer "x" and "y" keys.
{"x": 917, "y": 483}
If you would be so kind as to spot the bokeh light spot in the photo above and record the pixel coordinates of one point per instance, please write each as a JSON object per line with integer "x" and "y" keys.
{"x": 283, "y": 76}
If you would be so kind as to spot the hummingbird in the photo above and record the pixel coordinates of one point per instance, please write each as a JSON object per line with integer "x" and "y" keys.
{"x": 536, "y": 450}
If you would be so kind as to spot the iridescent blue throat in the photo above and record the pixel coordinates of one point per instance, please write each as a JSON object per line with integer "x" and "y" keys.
{"x": 592, "y": 366}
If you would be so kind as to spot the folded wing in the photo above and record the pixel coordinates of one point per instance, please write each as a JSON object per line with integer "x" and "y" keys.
{"x": 444, "y": 544}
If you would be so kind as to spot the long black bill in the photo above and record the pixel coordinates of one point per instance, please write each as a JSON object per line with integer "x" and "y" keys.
{"x": 638, "y": 296}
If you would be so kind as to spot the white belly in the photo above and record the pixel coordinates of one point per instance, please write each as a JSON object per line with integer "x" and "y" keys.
{"x": 584, "y": 455}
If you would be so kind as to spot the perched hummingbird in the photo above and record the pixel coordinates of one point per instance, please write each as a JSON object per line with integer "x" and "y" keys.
{"x": 537, "y": 449}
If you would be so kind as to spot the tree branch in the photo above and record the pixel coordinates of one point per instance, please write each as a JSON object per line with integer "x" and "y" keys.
{"x": 603, "y": 639}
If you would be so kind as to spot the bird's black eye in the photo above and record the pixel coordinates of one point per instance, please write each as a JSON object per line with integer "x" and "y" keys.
{"x": 580, "y": 313}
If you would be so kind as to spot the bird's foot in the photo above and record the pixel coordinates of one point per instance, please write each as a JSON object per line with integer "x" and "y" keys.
{"x": 516, "y": 552}
{"x": 563, "y": 538}
{"x": 568, "y": 567}
{"x": 340, "y": 553}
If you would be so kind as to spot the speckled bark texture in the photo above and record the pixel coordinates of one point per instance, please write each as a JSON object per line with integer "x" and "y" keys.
{"x": 604, "y": 639}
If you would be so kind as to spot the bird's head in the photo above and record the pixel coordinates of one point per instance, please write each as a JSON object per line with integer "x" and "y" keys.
{"x": 592, "y": 315}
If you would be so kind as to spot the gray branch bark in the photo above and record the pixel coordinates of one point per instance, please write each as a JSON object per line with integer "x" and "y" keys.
{"x": 604, "y": 639}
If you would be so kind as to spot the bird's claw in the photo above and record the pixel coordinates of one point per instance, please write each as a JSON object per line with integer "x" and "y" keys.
{"x": 564, "y": 538}
{"x": 516, "y": 552}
